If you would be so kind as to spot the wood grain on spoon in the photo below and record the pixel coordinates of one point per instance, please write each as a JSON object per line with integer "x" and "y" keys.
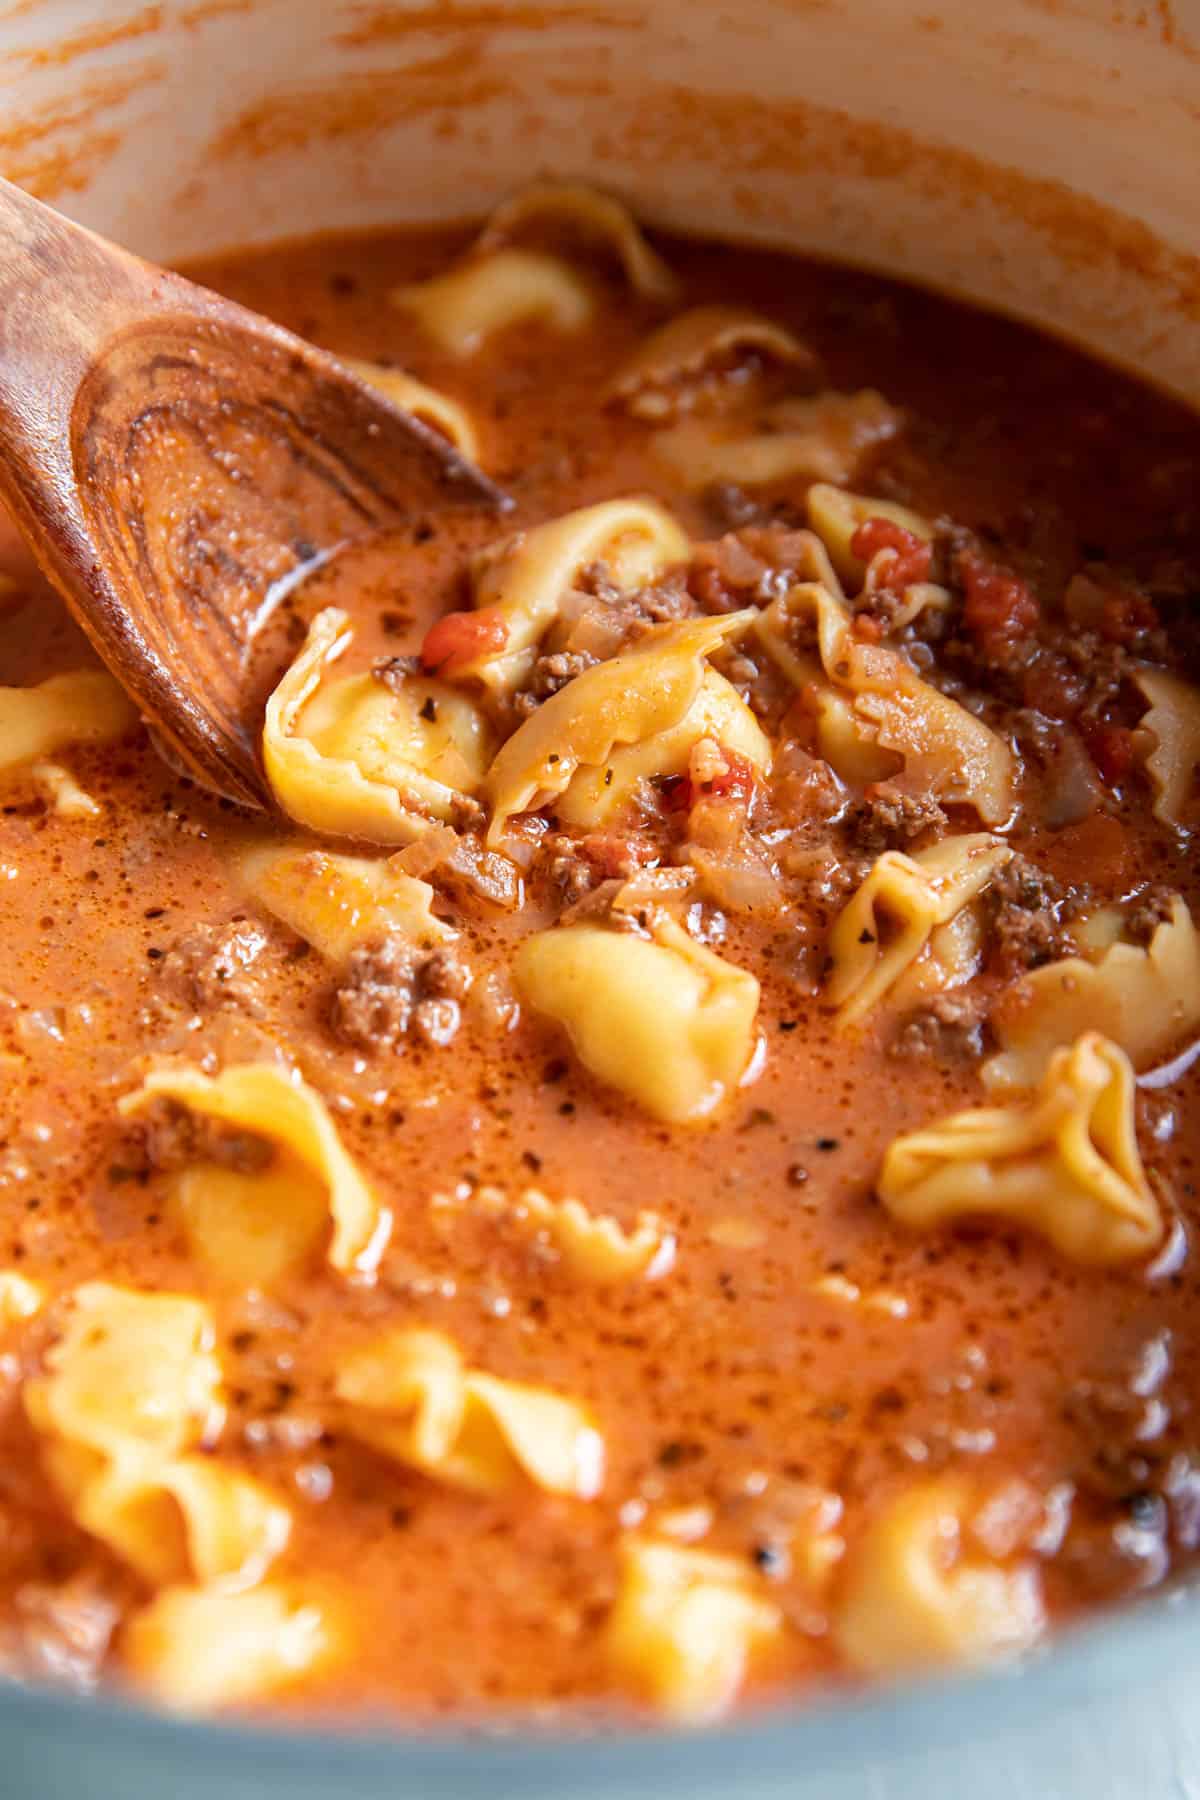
{"x": 170, "y": 457}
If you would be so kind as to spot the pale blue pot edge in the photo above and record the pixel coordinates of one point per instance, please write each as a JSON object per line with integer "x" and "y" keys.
{"x": 1113, "y": 1711}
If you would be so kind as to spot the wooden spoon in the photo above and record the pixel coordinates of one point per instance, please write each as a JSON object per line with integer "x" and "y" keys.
{"x": 171, "y": 458}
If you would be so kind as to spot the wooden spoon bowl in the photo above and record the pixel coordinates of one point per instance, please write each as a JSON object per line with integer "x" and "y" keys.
{"x": 173, "y": 459}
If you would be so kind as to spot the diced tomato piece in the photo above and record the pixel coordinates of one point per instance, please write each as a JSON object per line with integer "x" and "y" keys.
{"x": 680, "y": 793}
{"x": 999, "y": 609}
{"x": 458, "y": 638}
{"x": 913, "y": 559}
{"x": 1111, "y": 749}
{"x": 736, "y": 778}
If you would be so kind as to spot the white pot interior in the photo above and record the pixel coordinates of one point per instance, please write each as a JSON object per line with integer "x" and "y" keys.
{"x": 1031, "y": 155}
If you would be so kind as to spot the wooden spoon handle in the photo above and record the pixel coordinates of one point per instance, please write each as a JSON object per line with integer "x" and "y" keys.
{"x": 171, "y": 457}
{"x": 63, "y": 294}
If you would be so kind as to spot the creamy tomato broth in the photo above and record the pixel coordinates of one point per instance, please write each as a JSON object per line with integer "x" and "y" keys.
{"x": 561, "y": 1309}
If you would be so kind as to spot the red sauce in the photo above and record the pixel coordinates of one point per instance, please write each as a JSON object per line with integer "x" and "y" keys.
{"x": 733, "y": 1381}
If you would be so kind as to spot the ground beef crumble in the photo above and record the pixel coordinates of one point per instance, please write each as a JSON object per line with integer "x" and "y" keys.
{"x": 1153, "y": 908}
{"x": 550, "y": 673}
{"x": 393, "y": 671}
{"x": 1025, "y": 925}
{"x": 214, "y": 966}
{"x": 393, "y": 988}
{"x": 887, "y": 819}
{"x": 950, "y": 1028}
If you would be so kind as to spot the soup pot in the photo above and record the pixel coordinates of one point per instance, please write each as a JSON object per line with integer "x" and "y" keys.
{"x": 1038, "y": 156}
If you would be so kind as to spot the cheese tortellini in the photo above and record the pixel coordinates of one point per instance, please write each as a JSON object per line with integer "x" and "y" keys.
{"x": 634, "y": 696}
{"x": 889, "y": 925}
{"x": 196, "y": 1649}
{"x": 876, "y": 718}
{"x": 428, "y": 404}
{"x": 687, "y": 359}
{"x": 824, "y": 437}
{"x": 130, "y": 1393}
{"x": 684, "y": 1627}
{"x": 915, "y": 1595}
{"x": 598, "y": 796}
{"x": 1145, "y": 998}
{"x": 1169, "y": 734}
{"x": 502, "y": 284}
{"x": 661, "y": 1018}
{"x": 1064, "y": 1164}
{"x": 252, "y": 1225}
{"x": 411, "y": 1396}
{"x": 84, "y": 707}
{"x": 463, "y": 308}
{"x": 521, "y": 582}
{"x": 593, "y": 1248}
{"x": 573, "y": 209}
{"x": 337, "y": 903}
{"x": 355, "y": 758}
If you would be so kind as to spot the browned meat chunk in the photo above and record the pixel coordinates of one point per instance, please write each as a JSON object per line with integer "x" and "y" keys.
{"x": 1153, "y": 909}
{"x": 949, "y": 1029}
{"x": 214, "y": 966}
{"x": 550, "y": 673}
{"x": 886, "y": 819}
{"x": 1025, "y": 905}
{"x": 393, "y": 988}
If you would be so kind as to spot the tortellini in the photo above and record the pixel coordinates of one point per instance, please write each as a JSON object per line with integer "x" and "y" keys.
{"x": 633, "y": 696}
{"x": 661, "y": 1018}
{"x": 251, "y": 1226}
{"x": 196, "y": 1649}
{"x": 355, "y": 758}
{"x": 1144, "y": 998}
{"x": 84, "y": 707}
{"x": 684, "y": 1627}
{"x": 877, "y": 719}
{"x": 596, "y": 217}
{"x": 501, "y": 284}
{"x": 681, "y": 362}
{"x": 411, "y": 1396}
{"x": 428, "y": 404}
{"x": 954, "y": 954}
{"x": 463, "y": 308}
{"x": 944, "y": 750}
{"x": 521, "y": 582}
{"x": 915, "y": 1595}
{"x": 888, "y": 924}
{"x": 825, "y": 438}
{"x": 130, "y": 1392}
{"x": 337, "y": 903}
{"x": 591, "y": 1247}
{"x": 1065, "y": 1164}
{"x": 1170, "y": 733}
{"x": 598, "y": 796}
